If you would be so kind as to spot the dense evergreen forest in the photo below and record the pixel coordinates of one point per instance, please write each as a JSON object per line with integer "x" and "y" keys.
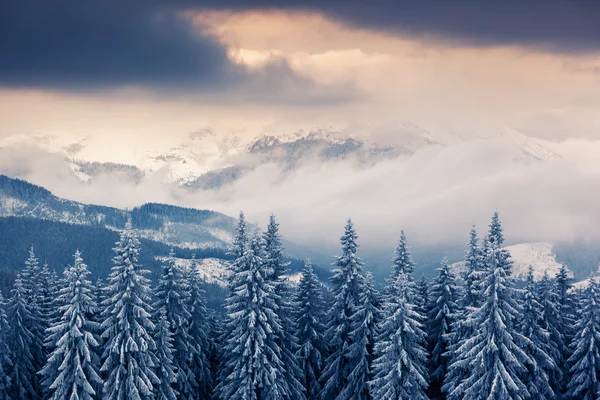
{"x": 469, "y": 336}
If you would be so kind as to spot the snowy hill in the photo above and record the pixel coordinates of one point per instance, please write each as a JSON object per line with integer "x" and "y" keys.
{"x": 539, "y": 255}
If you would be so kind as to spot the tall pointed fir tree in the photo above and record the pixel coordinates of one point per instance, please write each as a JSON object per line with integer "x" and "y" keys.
{"x": 539, "y": 347}
{"x": 32, "y": 292}
{"x": 567, "y": 312}
{"x": 365, "y": 322}
{"x": 285, "y": 338}
{"x": 402, "y": 261}
{"x": 199, "y": 329}
{"x": 399, "y": 370}
{"x": 172, "y": 298}
{"x": 72, "y": 369}
{"x": 129, "y": 359}
{"x": 421, "y": 299}
{"x": 551, "y": 321}
{"x": 494, "y": 352}
{"x": 165, "y": 371}
{"x": 309, "y": 314}
{"x": 473, "y": 272}
{"x": 20, "y": 339}
{"x": 443, "y": 311}
{"x": 584, "y": 383}
{"x": 348, "y": 283}
{"x": 253, "y": 366}
{"x": 5, "y": 361}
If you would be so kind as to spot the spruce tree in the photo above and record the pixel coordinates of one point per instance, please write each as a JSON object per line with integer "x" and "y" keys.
{"x": 5, "y": 361}
{"x": 443, "y": 311}
{"x": 552, "y": 322}
{"x": 200, "y": 330}
{"x": 473, "y": 273}
{"x": 584, "y": 383}
{"x": 165, "y": 372}
{"x": 402, "y": 261}
{"x": 538, "y": 348}
{"x": 348, "y": 283}
{"x": 72, "y": 369}
{"x": 20, "y": 340}
{"x": 365, "y": 322}
{"x": 253, "y": 363}
{"x": 400, "y": 367}
{"x": 172, "y": 299}
{"x": 32, "y": 293}
{"x": 309, "y": 314}
{"x": 494, "y": 352}
{"x": 285, "y": 338}
{"x": 567, "y": 313}
{"x": 421, "y": 298}
{"x": 129, "y": 359}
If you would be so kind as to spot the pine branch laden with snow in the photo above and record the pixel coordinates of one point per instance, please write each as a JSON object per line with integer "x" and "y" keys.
{"x": 253, "y": 369}
{"x": 165, "y": 371}
{"x": 443, "y": 311}
{"x": 347, "y": 282}
{"x": 285, "y": 338}
{"x": 584, "y": 383}
{"x": 310, "y": 330}
{"x": 72, "y": 369}
{"x": 399, "y": 371}
{"x": 128, "y": 358}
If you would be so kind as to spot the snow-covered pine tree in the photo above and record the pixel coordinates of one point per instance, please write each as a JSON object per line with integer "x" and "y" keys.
{"x": 538, "y": 349}
{"x": 240, "y": 240}
{"x": 567, "y": 309}
{"x": 552, "y": 322}
{"x": 72, "y": 369}
{"x": 48, "y": 296}
{"x": 129, "y": 359}
{"x": 494, "y": 352}
{"x": 5, "y": 361}
{"x": 473, "y": 272}
{"x": 309, "y": 314}
{"x": 199, "y": 329}
{"x": 496, "y": 233}
{"x": 443, "y": 311}
{"x": 584, "y": 383}
{"x": 164, "y": 354}
{"x": 421, "y": 298}
{"x": 37, "y": 324}
{"x": 363, "y": 334}
{"x": 348, "y": 283}
{"x": 172, "y": 297}
{"x": 285, "y": 338}
{"x": 402, "y": 261}
{"x": 253, "y": 363}
{"x": 20, "y": 339}
{"x": 399, "y": 370}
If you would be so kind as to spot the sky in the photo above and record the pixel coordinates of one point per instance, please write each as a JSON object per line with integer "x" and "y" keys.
{"x": 155, "y": 70}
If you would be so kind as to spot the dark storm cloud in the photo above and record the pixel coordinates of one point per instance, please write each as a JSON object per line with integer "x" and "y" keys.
{"x": 94, "y": 44}
{"x": 556, "y": 25}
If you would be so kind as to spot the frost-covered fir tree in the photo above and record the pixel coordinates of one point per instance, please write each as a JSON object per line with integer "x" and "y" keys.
{"x": 365, "y": 322}
{"x": 200, "y": 330}
{"x": 164, "y": 354}
{"x": 20, "y": 339}
{"x": 285, "y": 338}
{"x": 400, "y": 370}
{"x": 240, "y": 240}
{"x": 443, "y": 311}
{"x": 584, "y": 383}
{"x": 538, "y": 348}
{"x": 348, "y": 283}
{"x": 72, "y": 369}
{"x": 551, "y": 321}
{"x": 494, "y": 352}
{"x": 567, "y": 309}
{"x": 253, "y": 366}
{"x": 473, "y": 272}
{"x": 32, "y": 293}
{"x": 129, "y": 359}
{"x": 309, "y": 314}
{"x": 421, "y": 297}
{"x": 5, "y": 361}
{"x": 172, "y": 298}
{"x": 48, "y": 296}
{"x": 402, "y": 261}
